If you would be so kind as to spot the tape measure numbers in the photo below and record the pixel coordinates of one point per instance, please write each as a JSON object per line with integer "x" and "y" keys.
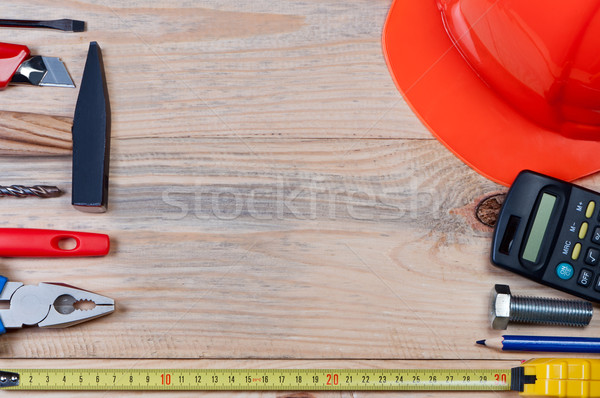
{"x": 262, "y": 380}
{"x": 541, "y": 377}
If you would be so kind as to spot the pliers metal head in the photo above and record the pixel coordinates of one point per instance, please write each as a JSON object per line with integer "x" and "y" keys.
{"x": 50, "y": 305}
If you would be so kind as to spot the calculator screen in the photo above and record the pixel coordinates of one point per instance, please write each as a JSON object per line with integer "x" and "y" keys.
{"x": 540, "y": 223}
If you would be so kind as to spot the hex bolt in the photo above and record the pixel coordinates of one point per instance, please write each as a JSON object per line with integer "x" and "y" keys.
{"x": 506, "y": 308}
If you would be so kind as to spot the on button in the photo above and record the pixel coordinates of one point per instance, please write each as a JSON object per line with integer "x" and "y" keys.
{"x": 564, "y": 271}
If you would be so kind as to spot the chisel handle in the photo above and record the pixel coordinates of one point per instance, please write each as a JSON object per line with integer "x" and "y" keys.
{"x": 29, "y": 134}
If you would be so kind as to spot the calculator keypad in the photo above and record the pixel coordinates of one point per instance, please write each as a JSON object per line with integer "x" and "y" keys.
{"x": 584, "y": 249}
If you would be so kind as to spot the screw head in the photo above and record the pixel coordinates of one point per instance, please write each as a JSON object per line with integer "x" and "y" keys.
{"x": 500, "y": 307}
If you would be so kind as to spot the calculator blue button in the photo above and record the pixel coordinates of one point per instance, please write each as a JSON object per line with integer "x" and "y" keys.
{"x": 564, "y": 271}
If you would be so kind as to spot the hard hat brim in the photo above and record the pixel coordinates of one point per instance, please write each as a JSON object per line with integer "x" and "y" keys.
{"x": 463, "y": 112}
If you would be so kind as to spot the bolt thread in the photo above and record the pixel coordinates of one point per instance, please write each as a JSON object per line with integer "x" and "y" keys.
{"x": 550, "y": 311}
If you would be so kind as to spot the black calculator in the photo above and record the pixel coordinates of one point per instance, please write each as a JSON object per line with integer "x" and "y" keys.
{"x": 548, "y": 230}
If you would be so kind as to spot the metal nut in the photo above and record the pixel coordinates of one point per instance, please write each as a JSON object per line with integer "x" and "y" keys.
{"x": 500, "y": 306}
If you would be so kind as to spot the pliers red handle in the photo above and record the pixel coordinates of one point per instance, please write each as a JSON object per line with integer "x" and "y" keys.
{"x": 18, "y": 66}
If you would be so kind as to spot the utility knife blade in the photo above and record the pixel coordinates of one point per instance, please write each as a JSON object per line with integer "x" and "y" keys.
{"x": 17, "y": 65}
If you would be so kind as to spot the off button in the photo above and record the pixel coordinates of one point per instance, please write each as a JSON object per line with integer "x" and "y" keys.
{"x": 564, "y": 271}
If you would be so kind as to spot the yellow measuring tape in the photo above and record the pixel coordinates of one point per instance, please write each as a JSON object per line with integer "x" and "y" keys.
{"x": 261, "y": 380}
{"x": 560, "y": 377}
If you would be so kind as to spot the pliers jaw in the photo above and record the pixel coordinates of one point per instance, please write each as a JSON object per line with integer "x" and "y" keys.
{"x": 51, "y": 305}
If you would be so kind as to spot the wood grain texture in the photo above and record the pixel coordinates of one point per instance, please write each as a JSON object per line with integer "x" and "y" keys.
{"x": 272, "y": 196}
{"x": 30, "y": 134}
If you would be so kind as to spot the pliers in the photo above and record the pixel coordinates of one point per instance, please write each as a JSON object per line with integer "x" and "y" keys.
{"x": 18, "y": 66}
{"x": 49, "y": 305}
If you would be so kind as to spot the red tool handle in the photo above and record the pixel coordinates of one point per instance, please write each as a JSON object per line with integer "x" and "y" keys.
{"x": 21, "y": 242}
{"x": 11, "y": 57}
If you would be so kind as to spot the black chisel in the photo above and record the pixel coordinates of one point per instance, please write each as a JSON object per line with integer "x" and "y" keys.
{"x": 91, "y": 137}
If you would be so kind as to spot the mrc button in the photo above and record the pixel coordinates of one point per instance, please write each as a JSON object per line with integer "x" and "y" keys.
{"x": 564, "y": 271}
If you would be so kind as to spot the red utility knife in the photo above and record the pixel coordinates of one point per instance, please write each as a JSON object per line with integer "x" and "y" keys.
{"x": 18, "y": 66}
{"x": 21, "y": 242}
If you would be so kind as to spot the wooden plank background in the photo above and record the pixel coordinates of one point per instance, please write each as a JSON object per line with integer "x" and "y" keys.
{"x": 272, "y": 196}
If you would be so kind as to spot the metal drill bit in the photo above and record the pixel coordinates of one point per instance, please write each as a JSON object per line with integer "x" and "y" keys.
{"x": 20, "y": 191}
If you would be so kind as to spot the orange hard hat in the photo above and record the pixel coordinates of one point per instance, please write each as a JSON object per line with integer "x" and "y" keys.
{"x": 506, "y": 85}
